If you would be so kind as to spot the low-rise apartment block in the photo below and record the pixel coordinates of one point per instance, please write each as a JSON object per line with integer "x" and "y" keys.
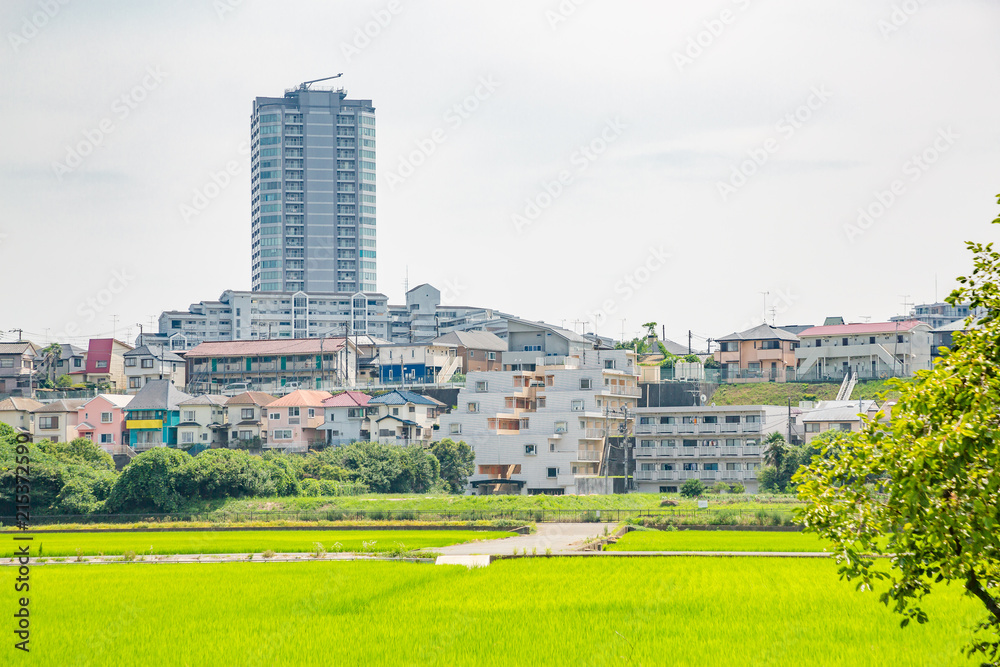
{"x": 549, "y": 426}
{"x": 418, "y": 363}
{"x": 710, "y": 443}
{"x": 272, "y": 366}
{"x": 870, "y": 351}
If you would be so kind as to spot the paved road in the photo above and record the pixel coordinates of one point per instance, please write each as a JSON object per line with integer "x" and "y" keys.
{"x": 561, "y": 538}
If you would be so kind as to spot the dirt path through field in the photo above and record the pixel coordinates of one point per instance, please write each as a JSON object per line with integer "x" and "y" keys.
{"x": 559, "y": 537}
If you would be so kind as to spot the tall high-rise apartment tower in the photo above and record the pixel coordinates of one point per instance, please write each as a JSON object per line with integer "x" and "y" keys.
{"x": 313, "y": 192}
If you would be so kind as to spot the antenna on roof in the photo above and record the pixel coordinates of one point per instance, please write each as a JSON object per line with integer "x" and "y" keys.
{"x": 305, "y": 84}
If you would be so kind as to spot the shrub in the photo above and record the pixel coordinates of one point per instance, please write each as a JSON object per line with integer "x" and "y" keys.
{"x": 590, "y": 516}
{"x": 692, "y": 488}
{"x": 310, "y": 487}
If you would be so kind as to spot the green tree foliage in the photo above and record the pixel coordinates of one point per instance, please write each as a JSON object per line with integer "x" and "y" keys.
{"x": 227, "y": 473}
{"x": 934, "y": 506}
{"x": 692, "y": 358}
{"x": 650, "y": 328}
{"x": 79, "y": 451}
{"x": 155, "y": 480}
{"x": 457, "y": 461}
{"x": 693, "y": 488}
{"x": 375, "y": 465}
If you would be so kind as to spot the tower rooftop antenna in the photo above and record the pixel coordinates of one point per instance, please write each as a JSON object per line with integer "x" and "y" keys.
{"x": 305, "y": 84}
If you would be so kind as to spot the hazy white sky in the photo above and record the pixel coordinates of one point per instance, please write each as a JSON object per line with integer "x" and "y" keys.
{"x": 574, "y": 161}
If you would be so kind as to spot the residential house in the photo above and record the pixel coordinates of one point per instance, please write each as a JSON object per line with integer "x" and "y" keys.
{"x": 760, "y": 354}
{"x": 531, "y": 344}
{"x": 403, "y": 418}
{"x": 345, "y": 418}
{"x": 15, "y": 411}
{"x": 203, "y": 422}
{"x": 153, "y": 362}
{"x": 709, "y": 443}
{"x": 942, "y": 336}
{"x": 17, "y": 367}
{"x": 57, "y": 421}
{"x": 102, "y": 420}
{"x": 293, "y": 421}
{"x": 835, "y": 416}
{"x": 153, "y": 415}
{"x": 478, "y": 350}
{"x": 246, "y": 416}
{"x": 418, "y": 363}
{"x": 940, "y": 314}
{"x": 72, "y": 359}
{"x": 105, "y": 364}
{"x": 554, "y": 424}
{"x": 272, "y": 366}
{"x": 871, "y": 350}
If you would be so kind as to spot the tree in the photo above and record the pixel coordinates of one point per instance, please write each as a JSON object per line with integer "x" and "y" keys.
{"x": 925, "y": 490}
{"x": 650, "y": 329}
{"x": 154, "y": 480}
{"x": 692, "y": 488}
{"x": 457, "y": 462}
{"x": 775, "y": 450}
{"x": 52, "y": 354}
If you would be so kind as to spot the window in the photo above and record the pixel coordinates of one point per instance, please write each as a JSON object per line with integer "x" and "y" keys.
{"x": 689, "y": 420}
{"x": 77, "y": 363}
{"x": 455, "y": 429}
{"x": 147, "y": 363}
{"x": 352, "y": 413}
{"x": 899, "y": 338}
{"x": 812, "y": 427}
{"x": 246, "y": 435}
{"x": 107, "y": 439}
{"x": 586, "y": 383}
{"x": 871, "y": 340}
{"x": 48, "y": 422}
{"x": 844, "y": 426}
{"x": 647, "y": 443}
{"x": 690, "y": 443}
{"x": 710, "y": 466}
{"x": 188, "y": 416}
{"x": 412, "y": 409}
{"x": 530, "y": 450}
{"x": 666, "y": 466}
{"x": 247, "y": 413}
{"x": 690, "y": 466}
{"x": 732, "y": 466}
{"x": 552, "y": 473}
{"x": 843, "y": 341}
{"x": 187, "y": 438}
{"x": 647, "y": 466}
{"x": 472, "y": 407}
{"x": 6, "y": 363}
{"x": 753, "y": 466}
{"x": 312, "y": 412}
{"x": 576, "y": 406}
{"x": 710, "y": 420}
{"x": 668, "y": 420}
{"x": 293, "y": 412}
{"x": 668, "y": 443}
{"x": 130, "y": 362}
{"x": 753, "y": 419}
{"x": 668, "y": 489}
{"x": 106, "y": 417}
{"x": 609, "y": 363}
{"x": 274, "y": 415}
{"x": 732, "y": 419}
{"x": 395, "y": 411}
{"x": 482, "y": 386}
{"x": 561, "y": 427}
{"x": 491, "y": 356}
{"x": 770, "y": 345}
{"x": 102, "y": 364}
{"x": 732, "y": 442}
{"x": 752, "y": 443}
{"x": 282, "y": 434}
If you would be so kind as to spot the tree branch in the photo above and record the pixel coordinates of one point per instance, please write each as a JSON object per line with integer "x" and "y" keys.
{"x": 973, "y": 586}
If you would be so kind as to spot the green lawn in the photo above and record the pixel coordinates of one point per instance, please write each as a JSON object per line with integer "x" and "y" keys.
{"x": 677, "y": 611}
{"x": 218, "y": 542}
{"x": 718, "y": 540}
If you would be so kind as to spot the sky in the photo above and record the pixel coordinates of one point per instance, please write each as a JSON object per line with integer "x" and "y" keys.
{"x": 589, "y": 163}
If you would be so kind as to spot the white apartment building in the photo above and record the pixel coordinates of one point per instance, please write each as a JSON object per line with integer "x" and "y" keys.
{"x": 710, "y": 443}
{"x": 871, "y": 350}
{"x": 546, "y": 430}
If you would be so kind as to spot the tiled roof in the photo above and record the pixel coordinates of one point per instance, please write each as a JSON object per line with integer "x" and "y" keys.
{"x": 863, "y": 328}
{"x": 761, "y": 332}
{"x": 205, "y": 399}
{"x": 350, "y": 399}
{"x": 251, "y": 398}
{"x": 62, "y": 405}
{"x": 250, "y": 348}
{"x": 301, "y": 397}
{"x": 158, "y": 395}
{"x": 473, "y": 340}
{"x": 400, "y": 397}
{"x": 155, "y": 351}
{"x": 117, "y": 400}
{"x": 18, "y": 403}
{"x": 18, "y": 348}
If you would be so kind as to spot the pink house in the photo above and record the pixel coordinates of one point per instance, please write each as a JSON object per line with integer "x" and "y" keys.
{"x": 293, "y": 421}
{"x": 102, "y": 420}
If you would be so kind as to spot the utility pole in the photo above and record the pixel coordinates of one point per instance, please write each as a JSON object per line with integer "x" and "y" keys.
{"x": 141, "y": 341}
{"x": 114, "y": 325}
{"x": 764, "y": 313}
{"x": 689, "y": 341}
{"x": 789, "y": 420}
{"x": 19, "y": 332}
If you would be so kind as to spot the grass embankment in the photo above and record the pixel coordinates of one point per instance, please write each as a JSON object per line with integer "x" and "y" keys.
{"x": 256, "y": 541}
{"x": 778, "y": 393}
{"x": 392, "y": 505}
{"x": 682, "y": 611}
{"x": 718, "y": 540}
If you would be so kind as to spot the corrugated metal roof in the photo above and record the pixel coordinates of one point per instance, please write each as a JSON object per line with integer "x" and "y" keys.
{"x": 400, "y": 397}
{"x": 349, "y": 399}
{"x": 862, "y": 328}
{"x": 474, "y": 340}
{"x": 62, "y": 405}
{"x": 250, "y": 348}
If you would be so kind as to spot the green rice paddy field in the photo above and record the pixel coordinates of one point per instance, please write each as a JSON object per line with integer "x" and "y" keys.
{"x": 718, "y": 540}
{"x": 532, "y": 611}
{"x": 257, "y": 541}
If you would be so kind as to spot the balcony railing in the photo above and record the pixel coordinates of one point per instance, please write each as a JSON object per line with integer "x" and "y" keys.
{"x": 616, "y": 390}
{"x": 585, "y": 455}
